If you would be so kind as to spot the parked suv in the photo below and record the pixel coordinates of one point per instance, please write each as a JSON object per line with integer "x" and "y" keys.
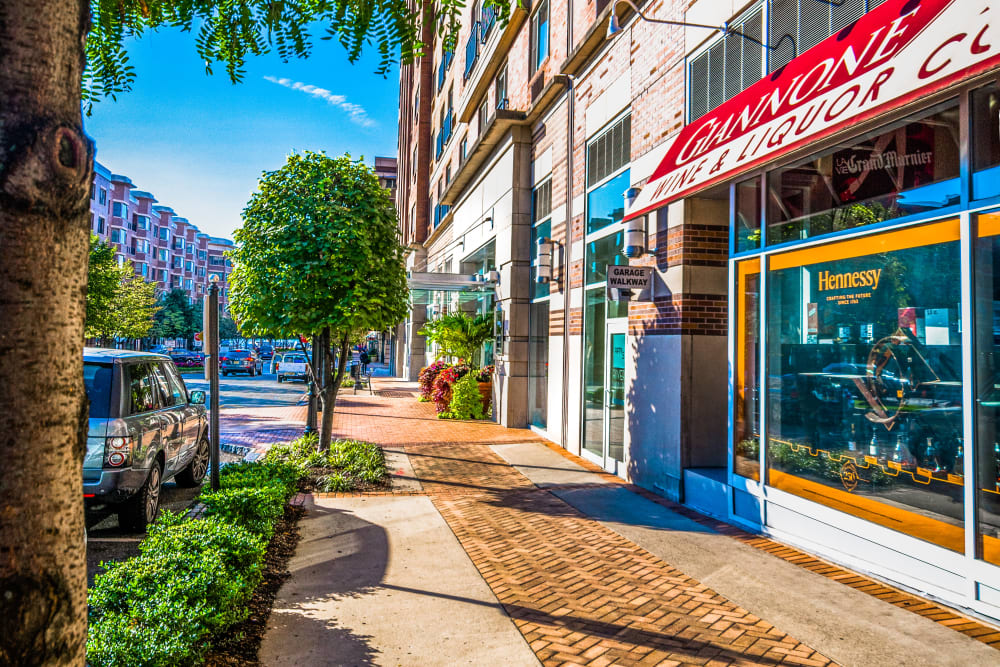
{"x": 241, "y": 361}
{"x": 144, "y": 428}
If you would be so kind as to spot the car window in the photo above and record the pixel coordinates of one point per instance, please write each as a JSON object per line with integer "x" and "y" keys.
{"x": 169, "y": 397}
{"x": 238, "y": 354}
{"x": 295, "y": 359}
{"x": 97, "y": 380}
{"x": 142, "y": 389}
{"x": 177, "y": 386}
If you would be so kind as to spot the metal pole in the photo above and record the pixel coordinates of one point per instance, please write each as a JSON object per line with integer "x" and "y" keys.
{"x": 213, "y": 378}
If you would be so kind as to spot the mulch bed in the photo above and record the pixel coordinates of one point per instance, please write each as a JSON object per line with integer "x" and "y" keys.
{"x": 241, "y": 643}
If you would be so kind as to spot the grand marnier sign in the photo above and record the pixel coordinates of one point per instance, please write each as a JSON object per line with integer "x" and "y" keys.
{"x": 894, "y": 54}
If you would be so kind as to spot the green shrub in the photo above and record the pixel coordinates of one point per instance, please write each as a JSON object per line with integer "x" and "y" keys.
{"x": 334, "y": 483}
{"x": 466, "y": 401}
{"x": 257, "y": 509}
{"x": 274, "y": 473}
{"x": 191, "y": 579}
{"x": 353, "y": 462}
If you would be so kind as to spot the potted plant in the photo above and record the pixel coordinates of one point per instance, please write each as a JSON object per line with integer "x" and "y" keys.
{"x": 459, "y": 335}
{"x": 484, "y": 377}
{"x": 443, "y": 384}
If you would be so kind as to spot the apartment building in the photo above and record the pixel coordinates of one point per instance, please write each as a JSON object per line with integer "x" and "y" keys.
{"x": 163, "y": 247}
{"x": 752, "y": 268}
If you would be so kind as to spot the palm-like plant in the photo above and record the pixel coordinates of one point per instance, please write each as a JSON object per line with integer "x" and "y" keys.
{"x": 459, "y": 335}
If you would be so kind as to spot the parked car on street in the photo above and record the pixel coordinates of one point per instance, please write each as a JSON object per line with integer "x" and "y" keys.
{"x": 180, "y": 356}
{"x": 144, "y": 428}
{"x": 241, "y": 361}
{"x": 291, "y": 365}
{"x": 266, "y": 352}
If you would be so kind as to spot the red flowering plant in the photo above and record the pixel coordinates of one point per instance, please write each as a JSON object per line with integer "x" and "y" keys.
{"x": 427, "y": 376}
{"x": 485, "y": 374}
{"x": 442, "y": 385}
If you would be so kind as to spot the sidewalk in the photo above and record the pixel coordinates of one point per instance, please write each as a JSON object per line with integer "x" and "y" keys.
{"x": 518, "y": 553}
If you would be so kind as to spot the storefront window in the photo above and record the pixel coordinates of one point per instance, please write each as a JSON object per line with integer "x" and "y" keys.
{"x": 986, "y": 142}
{"x": 593, "y": 371}
{"x": 864, "y": 390}
{"x": 538, "y": 363}
{"x": 907, "y": 168}
{"x": 748, "y": 215}
{"x": 746, "y": 444}
{"x": 987, "y": 332}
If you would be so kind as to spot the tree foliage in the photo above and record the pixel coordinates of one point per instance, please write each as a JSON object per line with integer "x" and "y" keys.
{"x": 177, "y": 317}
{"x": 319, "y": 248}
{"x": 119, "y": 303}
{"x": 228, "y": 328}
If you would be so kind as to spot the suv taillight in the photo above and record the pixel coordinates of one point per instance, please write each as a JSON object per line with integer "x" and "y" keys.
{"x": 118, "y": 451}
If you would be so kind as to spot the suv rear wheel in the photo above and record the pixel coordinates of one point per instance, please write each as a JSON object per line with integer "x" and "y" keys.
{"x": 194, "y": 473}
{"x": 140, "y": 511}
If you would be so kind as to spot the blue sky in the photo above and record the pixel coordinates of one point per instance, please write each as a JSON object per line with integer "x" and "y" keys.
{"x": 200, "y": 143}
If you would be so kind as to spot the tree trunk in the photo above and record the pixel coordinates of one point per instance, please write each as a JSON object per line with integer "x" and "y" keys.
{"x": 46, "y": 169}
{"x": 329, "y": 392}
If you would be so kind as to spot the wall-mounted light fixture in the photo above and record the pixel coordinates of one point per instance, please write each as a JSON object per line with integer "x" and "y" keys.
{"x": 635, "y": 229}
{"x": 543, "y": 260}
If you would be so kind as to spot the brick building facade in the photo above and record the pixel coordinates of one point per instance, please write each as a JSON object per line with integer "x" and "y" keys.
{"x": 163, "y": 247}
{"x": 737, "y": 386}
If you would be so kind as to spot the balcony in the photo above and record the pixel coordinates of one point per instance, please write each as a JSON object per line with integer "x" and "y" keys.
{"x": 439, "y": 145}
{"x": 471, "y": 51}
{"x": 446, "y": 59}
{"x": 487, "y": 22}
{"x": 440, "y": 211}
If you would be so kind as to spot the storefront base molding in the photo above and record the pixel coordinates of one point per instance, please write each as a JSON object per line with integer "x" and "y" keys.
{"x": 897, "y": 559}
{"x": 671, "y": 488}
{"x": 706, "y": 490}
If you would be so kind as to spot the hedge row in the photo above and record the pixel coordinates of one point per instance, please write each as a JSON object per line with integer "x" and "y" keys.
{"x": 192, "y": 578}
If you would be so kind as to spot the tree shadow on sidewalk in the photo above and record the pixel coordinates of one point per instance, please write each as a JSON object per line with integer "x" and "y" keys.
{"x": 339, "y": 556}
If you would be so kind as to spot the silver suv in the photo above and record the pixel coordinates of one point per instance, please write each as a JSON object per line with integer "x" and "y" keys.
{"x": 144, "y": 428}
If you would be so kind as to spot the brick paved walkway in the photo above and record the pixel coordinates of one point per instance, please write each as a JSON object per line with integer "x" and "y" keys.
{"x": 578, "y": 592}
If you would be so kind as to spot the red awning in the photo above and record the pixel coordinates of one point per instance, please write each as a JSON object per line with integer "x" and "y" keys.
{"x": 894, "y": 54}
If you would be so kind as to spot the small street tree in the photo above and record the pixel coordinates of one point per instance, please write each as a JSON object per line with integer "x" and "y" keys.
{"x": 120, "y": 304}
{"x": 319, "y": 253}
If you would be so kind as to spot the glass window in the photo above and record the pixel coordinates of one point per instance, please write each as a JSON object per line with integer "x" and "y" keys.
{"x": 178, "y": 390}
{"x": 119, "y": 209}
{"x": 97, "y": 382}
{"x": 141, "y": 389}
{"x": 103, "y": 197}
{"x": 748, "y": 215}
{"x": 746, "y": 439}
{"x": 986, "y": 142}
{"x": 910, "y": 167}
{"x": 538, "y": 363}
{"x": 987, "y": 334}
{"x": 606, "y": 204}
{"x": 600, "y": 253}
{"x": 864, "y": 390}
{"x": 539, "y": 36}
{"x": 160, "y": 378}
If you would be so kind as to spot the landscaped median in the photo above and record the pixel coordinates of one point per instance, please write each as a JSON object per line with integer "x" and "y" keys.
{"x": 194, "y": 577}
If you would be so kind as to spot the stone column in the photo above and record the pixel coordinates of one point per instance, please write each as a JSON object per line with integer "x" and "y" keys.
{"x": 513, "y": 259}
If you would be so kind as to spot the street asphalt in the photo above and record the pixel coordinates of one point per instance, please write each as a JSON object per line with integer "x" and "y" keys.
{"x": 105, "y": 538}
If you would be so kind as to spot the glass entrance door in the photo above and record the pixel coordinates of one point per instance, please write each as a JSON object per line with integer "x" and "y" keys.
{"x": 614, "y": 399}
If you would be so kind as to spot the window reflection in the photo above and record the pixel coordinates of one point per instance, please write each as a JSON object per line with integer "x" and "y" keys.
{"x": 987, "y": 271}
{"x": 906, "y": 169}
{"x": 746, "y": 446}
{"x": 864, "y": 387}
{"x": 986, "y": 147}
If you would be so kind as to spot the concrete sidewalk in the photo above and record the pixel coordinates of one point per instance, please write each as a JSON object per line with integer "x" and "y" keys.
{"x": 521, "y": 553}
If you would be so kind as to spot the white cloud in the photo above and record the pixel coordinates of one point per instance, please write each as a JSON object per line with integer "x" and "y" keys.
{"x": 355, "y": 112}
